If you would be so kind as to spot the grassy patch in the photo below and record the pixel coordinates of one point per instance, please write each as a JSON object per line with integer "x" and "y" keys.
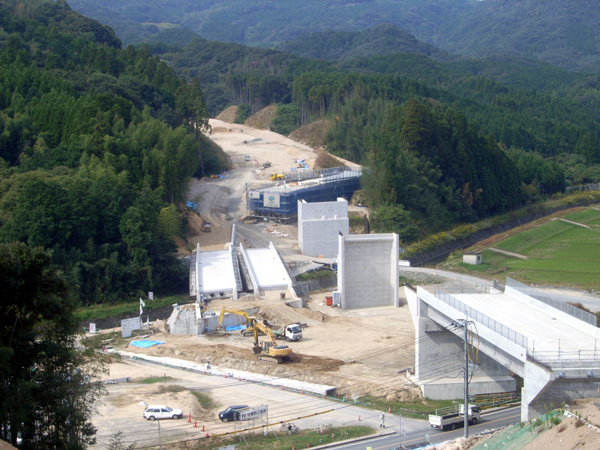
{"x": 153, "y": 380}
{"x": 416, "y": 410}
{"x": 279, "y": 440}
{"x": 97, "y": 312}
{"x": 204, "y": 399}
{"x": 98, "y": 340}
{"x": 321, "y": 273}
{"x": 564, "y": 251}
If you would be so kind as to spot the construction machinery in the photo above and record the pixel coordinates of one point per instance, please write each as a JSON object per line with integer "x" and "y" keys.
{"x": 269, "y": 350}
{"x": 291, "y": 332}
{"x": 277, "y": 176}
{"x": 250, "y": 320}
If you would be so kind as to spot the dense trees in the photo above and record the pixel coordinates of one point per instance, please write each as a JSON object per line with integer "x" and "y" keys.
{"x": 47, "y": 392}
{"x": 428, "y": 169}
{"x": 95, "y": 142}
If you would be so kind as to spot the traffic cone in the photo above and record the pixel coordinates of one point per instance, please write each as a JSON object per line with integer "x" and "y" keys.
{"x": 332, "y": 435}
{"x": 282, "y": 387}
{"x": 203, "y": 429}
{"x": 389, "y": 410}
{"x": 207, "y": 434}
{"x": 303, "y": 391}
{"x": 225, "y": 375}
{"x": 195, "y": 424}
{"x": 190, "y": 418}
{"x": 359, "y": 418}
{"x": 239, "y": 378}
{"x": 308, "y": 444}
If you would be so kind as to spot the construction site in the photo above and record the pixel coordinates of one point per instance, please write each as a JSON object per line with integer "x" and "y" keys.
{"x": 351, "y": 335}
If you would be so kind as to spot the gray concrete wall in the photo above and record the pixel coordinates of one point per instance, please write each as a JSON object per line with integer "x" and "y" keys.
{"x": 182, "y": 320}
{"x": 368, "y": 270}
{"x": 561, "y": 392}
{"x": 448, "y": 389}
{"x": 210, "y": 323}
{"x": 319, "y": 224}
{"x": 440, "y": 359}
{"x": 318, "y": 238}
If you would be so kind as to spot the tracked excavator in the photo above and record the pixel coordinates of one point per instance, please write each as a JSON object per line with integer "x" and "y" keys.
{"x": 268, "y": 350}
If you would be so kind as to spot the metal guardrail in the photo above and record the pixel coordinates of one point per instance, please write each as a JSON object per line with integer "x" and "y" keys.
{"x": 558, "y": 304}
{"x": 481, "y": 318}
{"x": 565, "y": 356}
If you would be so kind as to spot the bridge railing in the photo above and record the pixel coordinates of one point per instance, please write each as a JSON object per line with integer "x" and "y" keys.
{"x": 548, "y": 300}
{"x": 565, "y": 356}
{"x": 481, "y": 318}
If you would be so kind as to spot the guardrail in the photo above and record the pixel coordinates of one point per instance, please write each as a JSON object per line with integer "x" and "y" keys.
{"x": 548, "y": 300}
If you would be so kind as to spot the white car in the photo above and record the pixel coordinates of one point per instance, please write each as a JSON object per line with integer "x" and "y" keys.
{"x": 154, "y": 412}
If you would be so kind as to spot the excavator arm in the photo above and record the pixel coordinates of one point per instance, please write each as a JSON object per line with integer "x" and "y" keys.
{"x": 249, "y": 320}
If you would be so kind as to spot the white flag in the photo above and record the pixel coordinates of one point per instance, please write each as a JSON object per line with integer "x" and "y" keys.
{"x": 141, "y": 304}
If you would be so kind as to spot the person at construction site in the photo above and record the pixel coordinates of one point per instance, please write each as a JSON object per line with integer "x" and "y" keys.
{"x": 382, "y": 418}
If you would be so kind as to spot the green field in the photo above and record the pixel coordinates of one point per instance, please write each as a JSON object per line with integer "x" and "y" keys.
{"x": 559, "y": 253}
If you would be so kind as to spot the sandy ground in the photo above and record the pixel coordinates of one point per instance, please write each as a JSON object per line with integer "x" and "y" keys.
{"x": 362, "y": 352}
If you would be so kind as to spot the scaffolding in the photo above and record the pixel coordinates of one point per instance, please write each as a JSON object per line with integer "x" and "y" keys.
{"x": 280, "y": 201}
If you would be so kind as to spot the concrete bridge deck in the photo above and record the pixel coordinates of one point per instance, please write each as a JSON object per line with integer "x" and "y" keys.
{"x": 553, "y": 349}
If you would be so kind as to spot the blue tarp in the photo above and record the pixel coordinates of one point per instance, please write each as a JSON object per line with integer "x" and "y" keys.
{"x": 145, "y": 343}
{"x": 193, "y": 205}
{"x": 239, "y": 327}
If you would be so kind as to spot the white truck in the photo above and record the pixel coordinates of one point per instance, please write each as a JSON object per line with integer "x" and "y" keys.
{"x": 454, "y": 416}
{"x": 291, "y": 332}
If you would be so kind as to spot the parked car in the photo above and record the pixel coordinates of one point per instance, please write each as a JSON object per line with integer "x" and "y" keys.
{"x": 154, "y": 412}
{"x": 232, "y": 413}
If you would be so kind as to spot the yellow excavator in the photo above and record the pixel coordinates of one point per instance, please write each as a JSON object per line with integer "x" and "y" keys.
{"x": 250, "y": 320}
{"x": 269, "y": 350}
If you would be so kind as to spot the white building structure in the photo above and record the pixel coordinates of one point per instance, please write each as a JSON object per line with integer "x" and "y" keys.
{"x": 319, "y": 225}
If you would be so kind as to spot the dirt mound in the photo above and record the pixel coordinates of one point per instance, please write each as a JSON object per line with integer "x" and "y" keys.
{"x": 229, "y": 114}
{"x": 263, "y": 118}
{"x": 312, "y": 134}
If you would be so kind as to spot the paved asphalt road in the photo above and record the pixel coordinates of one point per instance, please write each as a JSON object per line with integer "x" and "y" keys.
{"x": 424, "y": 435}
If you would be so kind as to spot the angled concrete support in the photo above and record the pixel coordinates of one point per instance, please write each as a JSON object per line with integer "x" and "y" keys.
{"x": 537, "y": 379}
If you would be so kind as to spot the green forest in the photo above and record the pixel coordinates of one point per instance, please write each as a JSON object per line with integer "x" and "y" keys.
{"x": 98, "y": 144}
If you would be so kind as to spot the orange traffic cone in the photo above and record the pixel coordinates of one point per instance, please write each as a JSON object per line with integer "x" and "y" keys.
{"x": 190, "y": 418}
{"x": 203, "y": 429}
{"x": 195, "y": 424}
{"x": 389, "y": 410}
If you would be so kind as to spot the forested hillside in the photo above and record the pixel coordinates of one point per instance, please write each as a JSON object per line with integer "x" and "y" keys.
{"x": 97, "y": 145}
{"x": 562, "y": 33}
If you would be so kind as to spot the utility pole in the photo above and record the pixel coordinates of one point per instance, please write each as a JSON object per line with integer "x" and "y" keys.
{"x": 464, "y": 323}
{"x": 466, "y": 406}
